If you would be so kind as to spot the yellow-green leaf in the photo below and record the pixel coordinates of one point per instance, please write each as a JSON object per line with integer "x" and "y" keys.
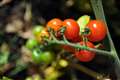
{"x": 82, "y": 22}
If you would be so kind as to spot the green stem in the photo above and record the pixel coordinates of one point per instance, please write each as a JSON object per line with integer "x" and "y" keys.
{"x": 78, "y": 46}
{"x": 73, "y": 75}
{"x": 89, "y": 72}
{"x": 65, "y": 40}
{"x": 99, "y": 13}
{"x": 54, "y": 40}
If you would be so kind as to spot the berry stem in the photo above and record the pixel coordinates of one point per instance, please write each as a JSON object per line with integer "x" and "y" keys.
{"x": 77, "y": 45}
{"x": 96, "y": 75}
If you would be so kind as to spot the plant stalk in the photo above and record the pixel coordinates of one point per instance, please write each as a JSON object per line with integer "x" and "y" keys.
{"x": 87, "y": 71}
{"x": 99, "y": 13}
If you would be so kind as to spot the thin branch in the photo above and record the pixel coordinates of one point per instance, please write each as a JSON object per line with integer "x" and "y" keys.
{"x": 78, "y": 46}
{"x": 65, "y": 40}
{"x": 87, "y": 71}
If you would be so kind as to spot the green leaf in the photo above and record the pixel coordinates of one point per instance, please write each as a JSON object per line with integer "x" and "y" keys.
{"x": 82, "y": 22}
{"x": 4, "y": 58}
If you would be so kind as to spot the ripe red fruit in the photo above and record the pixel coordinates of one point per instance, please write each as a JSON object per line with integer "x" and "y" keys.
{"x": 68, "y": 48}
{"x": 55, "y": 24}
{"x": 85, "y": 55}
{"x": 77, "y": 39}
{"x": 97, "y": 29}
{"x": 72, "y": 29}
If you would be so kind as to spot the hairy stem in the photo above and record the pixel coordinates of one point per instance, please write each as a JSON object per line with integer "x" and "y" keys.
{"x": 77, "y": 46}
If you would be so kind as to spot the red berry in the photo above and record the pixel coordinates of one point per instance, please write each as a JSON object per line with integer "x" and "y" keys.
{"x": 77, "y": 39}
{"x": 72, "y": 29}
{"x": 68, "y": 48}
{"x": 97, "y": 29}
{"x": 85, "y": 55}
{"x": 55, "y": 24}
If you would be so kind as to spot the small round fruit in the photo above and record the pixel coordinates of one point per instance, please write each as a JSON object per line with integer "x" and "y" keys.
{"x": 36, "y": 53}
{"x": 63, "y": 63}
{"x": 41, "y": 35}
{"x": 31, "y": 43}
{"x": 85, "y": 55}
{"x": 68, "y": 48}
{"x": 44, "y": 33}
{"x": 77, "y": 39}
{"x": 72, "y": 29}
{"x": 42, "y": 57}
{"x": 37, "y": 29}
{"x": 47, "y": 57}
{"x": 55, "y": 24}
{"x": 97, "y": 29}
